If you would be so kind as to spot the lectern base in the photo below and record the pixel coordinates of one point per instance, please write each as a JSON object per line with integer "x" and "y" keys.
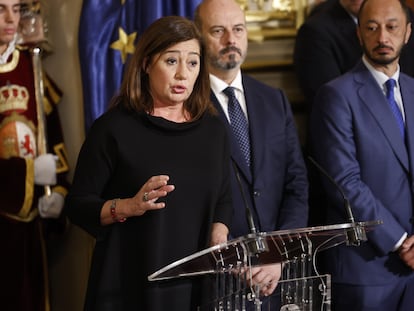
{"x": 303, "y": 294}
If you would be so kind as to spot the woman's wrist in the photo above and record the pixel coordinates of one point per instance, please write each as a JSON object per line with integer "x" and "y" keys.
{"x": 113, "y": 211}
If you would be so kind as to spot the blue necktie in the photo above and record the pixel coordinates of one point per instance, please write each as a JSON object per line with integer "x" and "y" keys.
{"x": 390, "y": 84}
{"x": 238, "y": 123}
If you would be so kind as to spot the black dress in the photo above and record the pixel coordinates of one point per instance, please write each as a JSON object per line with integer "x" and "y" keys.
{"x": 122, "y": 151}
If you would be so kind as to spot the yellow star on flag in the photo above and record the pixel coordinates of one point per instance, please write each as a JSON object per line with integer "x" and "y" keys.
{"x": 125, "y": 44}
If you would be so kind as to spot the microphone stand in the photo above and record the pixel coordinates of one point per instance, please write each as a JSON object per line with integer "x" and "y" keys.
{"x": 257, "y": 244}
{"x": 355, "y": 235}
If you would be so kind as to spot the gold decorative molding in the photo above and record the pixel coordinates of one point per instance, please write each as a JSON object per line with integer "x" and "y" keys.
{"x": 273, "y": 18}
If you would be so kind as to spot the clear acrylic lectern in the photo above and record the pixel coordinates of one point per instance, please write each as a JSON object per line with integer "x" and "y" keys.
{"x": 301, "y": 286}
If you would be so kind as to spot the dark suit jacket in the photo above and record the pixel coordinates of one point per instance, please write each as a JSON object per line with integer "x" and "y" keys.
{"x": 276, "y": 186}
{"x": 355, "y": 137}
{"x": 327, "y": 46}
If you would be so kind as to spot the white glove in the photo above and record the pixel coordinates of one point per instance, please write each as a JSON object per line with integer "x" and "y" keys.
{"x": 51, "y": 206}
{"x": 45, "y": 169}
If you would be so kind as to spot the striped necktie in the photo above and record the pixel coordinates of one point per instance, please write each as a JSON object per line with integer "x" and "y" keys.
{"x": 390, "y": 84}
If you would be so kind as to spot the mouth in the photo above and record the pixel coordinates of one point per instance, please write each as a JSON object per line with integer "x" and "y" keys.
{"x": 9, "y": 31}
{"x": 178, "y": 89}
{"x": 383, "y": 49}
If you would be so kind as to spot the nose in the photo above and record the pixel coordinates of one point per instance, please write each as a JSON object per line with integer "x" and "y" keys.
{"x": 229, "y": 37}
{"x": 382, "y": 34}
{"x": 10, "y": 15}
{"x": 181, "y": 73}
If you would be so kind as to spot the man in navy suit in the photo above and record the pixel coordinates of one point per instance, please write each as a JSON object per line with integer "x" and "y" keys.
{"x": 357, "y": 139}
{"x": 275, "y": 182}
{"x": 327, "y": 46}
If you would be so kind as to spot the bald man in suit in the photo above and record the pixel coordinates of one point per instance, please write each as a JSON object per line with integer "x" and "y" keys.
{"x": 370, "y": 155}
{"x": 327, "y": 46}
{"x": 274, "y": 181}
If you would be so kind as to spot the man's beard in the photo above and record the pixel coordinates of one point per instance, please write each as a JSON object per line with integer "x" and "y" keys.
{"x": 230, "y": 62}
{"x": 385, "y": 60}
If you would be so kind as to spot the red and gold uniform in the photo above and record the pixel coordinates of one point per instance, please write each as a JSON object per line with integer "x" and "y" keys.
{"x": 23, "y": 261}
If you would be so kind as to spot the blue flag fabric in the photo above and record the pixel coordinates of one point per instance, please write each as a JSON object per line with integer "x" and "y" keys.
{"x": 108, "y": 31}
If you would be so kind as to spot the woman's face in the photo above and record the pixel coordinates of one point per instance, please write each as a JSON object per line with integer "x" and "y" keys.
{"x": 172, "y": 73}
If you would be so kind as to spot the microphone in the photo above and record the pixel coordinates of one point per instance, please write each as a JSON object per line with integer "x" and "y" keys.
{"x": 357, "y": 234}
{"x": 249, "y": 215}
{"x": 257, "y": 244}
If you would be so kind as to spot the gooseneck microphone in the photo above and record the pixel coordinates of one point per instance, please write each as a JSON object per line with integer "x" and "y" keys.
{"x": 357, "y": 233}
{"x": 257, "y": 244}
{"x": 248, "y": 210}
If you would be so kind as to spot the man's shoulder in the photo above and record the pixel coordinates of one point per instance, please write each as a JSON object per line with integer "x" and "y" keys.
{"x": 345, "y": 78}
{"x": 350, "y": 81}
{"x": 252, "y": 82}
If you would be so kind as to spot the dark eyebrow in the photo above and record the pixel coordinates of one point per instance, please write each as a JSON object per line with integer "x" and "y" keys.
{"x": 221, "y": 26}
{"x": 177, "y": 51}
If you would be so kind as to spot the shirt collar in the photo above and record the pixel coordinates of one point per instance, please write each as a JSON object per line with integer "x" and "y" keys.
{"x": 5, "y": 56}
{"x": 218, "y": 85}
{"x": 379, "y": 76}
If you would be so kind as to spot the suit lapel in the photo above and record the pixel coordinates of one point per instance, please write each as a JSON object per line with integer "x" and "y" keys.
{"x": 235, "y": 152}
{"x": 257, "y": 129}
{"x": 372, "y": 96}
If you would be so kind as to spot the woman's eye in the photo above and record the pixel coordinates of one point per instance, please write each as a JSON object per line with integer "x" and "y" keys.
{"x": 193, "y": 63}
{"x": 171, "y": 61}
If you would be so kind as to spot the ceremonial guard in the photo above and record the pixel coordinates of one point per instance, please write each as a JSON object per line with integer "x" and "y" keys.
{"x": 33, "y": 162}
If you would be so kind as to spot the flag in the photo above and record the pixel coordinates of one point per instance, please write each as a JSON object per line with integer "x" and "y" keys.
{"x": 108, "y": 31}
